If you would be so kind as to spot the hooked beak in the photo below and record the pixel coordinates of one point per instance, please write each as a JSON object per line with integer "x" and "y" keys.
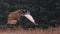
{"x": 29, "y": 17}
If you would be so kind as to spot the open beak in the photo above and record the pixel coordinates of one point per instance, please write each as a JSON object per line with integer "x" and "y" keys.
{"x": 28, "y": 16}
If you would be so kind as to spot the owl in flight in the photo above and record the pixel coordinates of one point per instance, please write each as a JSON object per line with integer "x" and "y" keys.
{"x": 15, "y": 16}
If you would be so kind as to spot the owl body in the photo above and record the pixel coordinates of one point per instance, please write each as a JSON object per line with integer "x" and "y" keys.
{"x": 13, "y": 18}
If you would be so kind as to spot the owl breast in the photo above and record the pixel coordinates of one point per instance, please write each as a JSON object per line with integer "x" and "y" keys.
{"x": 13, "y": 18}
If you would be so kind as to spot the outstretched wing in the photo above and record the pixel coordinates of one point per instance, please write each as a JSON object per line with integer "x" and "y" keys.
{"x": 28, "y": 16}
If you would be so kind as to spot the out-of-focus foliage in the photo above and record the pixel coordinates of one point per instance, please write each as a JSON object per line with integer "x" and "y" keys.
{"x": 44, "y": 11}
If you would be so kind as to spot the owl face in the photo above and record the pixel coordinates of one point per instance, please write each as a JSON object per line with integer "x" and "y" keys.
{"x": 23, "y": 12}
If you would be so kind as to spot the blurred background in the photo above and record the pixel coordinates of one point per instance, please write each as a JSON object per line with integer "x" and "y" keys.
{"x": 45, "y": 12}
